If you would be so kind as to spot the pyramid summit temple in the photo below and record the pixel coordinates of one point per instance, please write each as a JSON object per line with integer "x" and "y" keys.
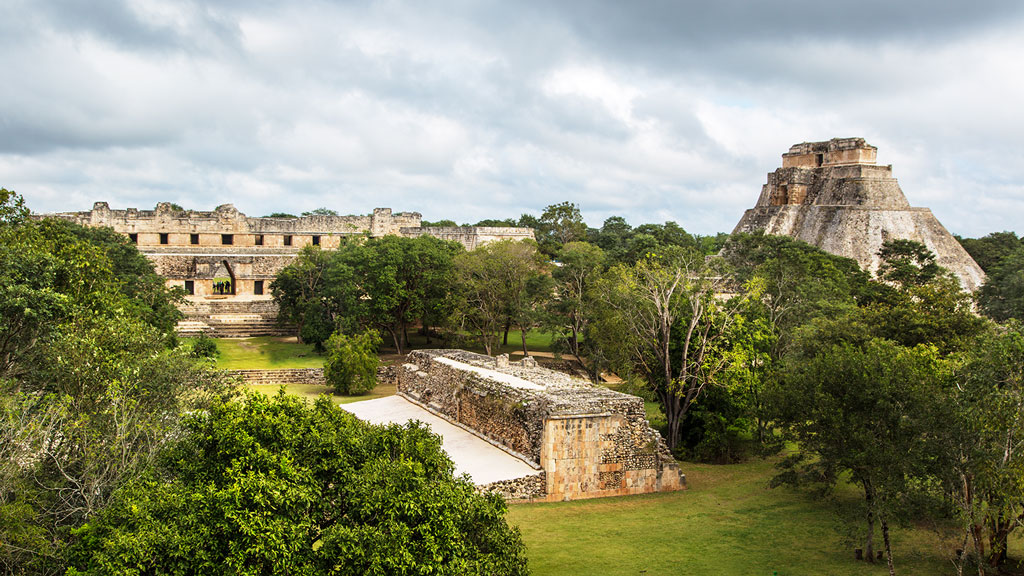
{"x": 833, "y": 195}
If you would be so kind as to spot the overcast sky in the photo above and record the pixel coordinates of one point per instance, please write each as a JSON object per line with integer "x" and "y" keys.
{"x": 660, "y": 110}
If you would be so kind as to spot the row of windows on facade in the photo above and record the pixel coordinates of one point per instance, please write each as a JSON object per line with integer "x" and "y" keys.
{"x": 190, "y": 287}
{"x": 225, "y": 239}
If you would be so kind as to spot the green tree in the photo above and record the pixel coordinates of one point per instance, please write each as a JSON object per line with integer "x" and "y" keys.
{"x": 352, "y": 361}
{"x": 439, "y": 224}
{"x": 298, "y": 291}
{"x": 662, "y": 319}
{"x": 280, "y": 215}
{"x": 907, "y": 263}
{"x": 990, "y": 250}
{"x": 272, "y": 486}
{"x": 862, "y": 409}
{"x": 581, "y": 265}
{"x": 916, "y": 302}
{"x": 12, "y": 207}
{"x": 978, "y": 437}
{"x": 613, "y": 237}
{"x": 90, "y": 389}
{"x": 1002, "y": 295}
{"x": 401, "y": 280}
{"x": 321, "y": 212}
{"x": 496, "y": 223}
{"x": 499, "y": 284}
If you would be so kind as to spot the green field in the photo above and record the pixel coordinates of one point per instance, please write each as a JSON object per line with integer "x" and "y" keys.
{"x": 266, "y": 353}
{"x": 729, "y": 522}
{"x": 312, "y": 392}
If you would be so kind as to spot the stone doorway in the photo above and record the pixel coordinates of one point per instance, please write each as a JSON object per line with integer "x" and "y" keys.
{"x": 224, "y": 283}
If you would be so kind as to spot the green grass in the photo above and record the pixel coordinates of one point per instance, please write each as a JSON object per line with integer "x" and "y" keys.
{"x": 266, "y": 353}
{"x": 727, "y": 522}
{"x": 312, "y": 392}
{"x": 273, "y": 353}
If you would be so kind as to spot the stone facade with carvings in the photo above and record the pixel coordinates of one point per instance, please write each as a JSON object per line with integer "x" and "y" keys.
{"x": 226, "y": 261}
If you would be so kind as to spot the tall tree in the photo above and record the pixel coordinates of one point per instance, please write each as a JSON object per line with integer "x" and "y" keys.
{"x": 581, "y": 265}
{"x": 1002, "y": 295}
{"x": 990, "y": 250}
{"x": 89, "y": 388}
{"x": 298, "y": 291}
{"x": 662, "y": 319}
{"x": 980, "y": 441}
{"x": 862, "y": 409}
{"x": 499, "y": 283}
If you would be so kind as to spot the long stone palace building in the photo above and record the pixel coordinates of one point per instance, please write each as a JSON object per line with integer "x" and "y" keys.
{"x": 832, "y": 195}
{"x": 226, "y": 261}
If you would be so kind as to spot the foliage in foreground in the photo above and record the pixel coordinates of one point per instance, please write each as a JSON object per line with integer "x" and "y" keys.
{"x": 273, "y": 486}
{"x": 90, "y": 386}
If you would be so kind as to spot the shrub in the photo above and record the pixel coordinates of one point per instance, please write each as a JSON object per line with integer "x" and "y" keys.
{"x": 351, "y": 365}
{"x": 204, "y": 347}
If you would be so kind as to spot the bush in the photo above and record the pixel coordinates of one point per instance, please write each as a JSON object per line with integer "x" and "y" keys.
{"x": 204, "y": 347}
{"x": 351, "y": 365}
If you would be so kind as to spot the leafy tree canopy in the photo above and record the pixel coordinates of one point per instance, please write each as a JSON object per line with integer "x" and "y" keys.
{"x": 989, "y": 250}
{"x": 272, "y": 486}
{"x": 1002, "y": 295}
{"x": 442, "y": 224}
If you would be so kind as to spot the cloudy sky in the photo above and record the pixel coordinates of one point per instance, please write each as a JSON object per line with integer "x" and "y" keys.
{"x": 461, "y": 109}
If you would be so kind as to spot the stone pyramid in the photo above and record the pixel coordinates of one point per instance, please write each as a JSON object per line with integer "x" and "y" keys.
{"x": 833, "y": 195}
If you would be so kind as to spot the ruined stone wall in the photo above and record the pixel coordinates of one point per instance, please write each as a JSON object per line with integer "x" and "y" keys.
{"x": 590, "y": 441}
{"x": 471, "y": 236}
{"x": 180, "y": 226}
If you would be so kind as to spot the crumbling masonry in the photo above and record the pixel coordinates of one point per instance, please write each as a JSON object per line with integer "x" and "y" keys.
{"x": 588, "y": 440}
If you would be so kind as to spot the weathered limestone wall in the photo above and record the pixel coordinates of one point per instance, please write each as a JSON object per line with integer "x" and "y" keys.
{"x": 471, "y": 236}
{"x": 848, "y": 206}
{"x": 589, "y": 440}
{"x": 194, "y": 249}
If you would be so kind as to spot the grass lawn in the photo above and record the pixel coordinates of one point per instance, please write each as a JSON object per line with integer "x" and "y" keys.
{"x": 312, "y": 392}
{"x": 266, "y": 353}
{"x": 728, "y": 522}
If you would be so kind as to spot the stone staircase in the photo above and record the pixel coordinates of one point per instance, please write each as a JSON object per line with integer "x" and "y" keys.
{"x": 230, "y": 318}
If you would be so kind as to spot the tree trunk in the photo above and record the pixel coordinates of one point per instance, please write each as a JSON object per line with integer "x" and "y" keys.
{"x": 888, "y": 548}
{"x": 997, "y": 541}
{"x": 673, "y": 418}
{"x": 869, "y": 543}
{"x": 405, "y": 334}
{"x": 504, "y": 341}
{"x": 525, "y": 351}
{"x": 394, "y": 338}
